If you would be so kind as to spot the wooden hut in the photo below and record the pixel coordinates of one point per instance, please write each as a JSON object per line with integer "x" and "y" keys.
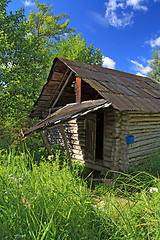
{"x": 111, "y": 119}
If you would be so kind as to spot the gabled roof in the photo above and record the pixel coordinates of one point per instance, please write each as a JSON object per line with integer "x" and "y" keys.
{"x": 123, "y": 90}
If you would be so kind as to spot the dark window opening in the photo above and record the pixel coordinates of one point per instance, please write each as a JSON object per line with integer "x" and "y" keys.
{"x": 99, "y": 136}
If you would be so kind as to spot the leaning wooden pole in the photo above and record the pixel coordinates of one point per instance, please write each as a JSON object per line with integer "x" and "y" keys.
{"x": 66, "y": 146}
{"x": 46, "y": 143}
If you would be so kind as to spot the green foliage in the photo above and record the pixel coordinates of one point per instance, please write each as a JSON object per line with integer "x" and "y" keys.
{"x": 74, "y": 47}
{"x": 155, "y": 65}
{"x": 150, "y": 165}
{"x": 46, "y": 25}
{"x": 44, "y": 202}
{"x": 22, "y": 69}
{"x": 47, "y": 201}
{"x": 27, "y": 49}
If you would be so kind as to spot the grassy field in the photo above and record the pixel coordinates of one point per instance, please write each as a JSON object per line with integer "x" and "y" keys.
{"x": 48, "y": 201}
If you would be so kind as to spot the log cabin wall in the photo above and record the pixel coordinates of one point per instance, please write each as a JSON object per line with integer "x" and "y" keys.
{"x": 117, "y": 154}
{"x": 78, "y": 135}
{"x": 115, "y": 147}
{"x": 109, "y": 138}
{"x": 75, "y": 134}
{"x": 121, "y": 151}
{"x": 146, "y": 130}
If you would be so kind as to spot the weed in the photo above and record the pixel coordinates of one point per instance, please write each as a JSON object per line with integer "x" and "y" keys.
{"x": 48, "y": 201}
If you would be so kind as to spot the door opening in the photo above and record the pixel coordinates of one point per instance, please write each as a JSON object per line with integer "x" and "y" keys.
{"x": 99, "y": 135}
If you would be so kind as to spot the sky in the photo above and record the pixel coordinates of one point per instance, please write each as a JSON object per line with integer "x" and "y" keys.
{"x": 126, "y": 31}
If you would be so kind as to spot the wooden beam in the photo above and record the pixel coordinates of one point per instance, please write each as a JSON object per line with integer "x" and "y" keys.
{"x": 58, "y": 88}
{"x": 66, "y": 146}
{"x": 78, "y": 89}
{"x": 62, "y": 89}
{"x": 46, "y": 143}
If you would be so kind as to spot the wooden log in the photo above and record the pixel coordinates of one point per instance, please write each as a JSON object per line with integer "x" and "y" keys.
{"x": 141, "y": 114}
{"x": 144, "y": 152}
{"x": 77, "y": 152}
{"x": 78, "y": 89}
{"x": 147, "y": 128}
{"x": 46, "y": 143}
{"x": 66, "y": 147}
{"x": 144, "y": 145}
{"x": 138, "y": 159}
{"x": 95, "y": 167}
{"x": 145, "y": 141}
{"x": 108, "y": 165}
{"x": 145, "y": 119}
{"x": 145, "y": 124}
{"x": 144, "y": 131}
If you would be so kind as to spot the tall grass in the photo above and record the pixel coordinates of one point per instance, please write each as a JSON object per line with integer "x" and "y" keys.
{"x": 44, "y": 202}
{"x": 47, "y": 201}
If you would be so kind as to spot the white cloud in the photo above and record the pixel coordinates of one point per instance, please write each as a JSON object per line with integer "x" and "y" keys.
{"x": 108, "y": 62}
{"x": 99, "y": 18}
{"x": 136, "y": 4}
{"x": 140, "y": 68}
{"x": 119, "y": 13}
{"x": 28, "y": 3}
{"x": 155, "y": 42}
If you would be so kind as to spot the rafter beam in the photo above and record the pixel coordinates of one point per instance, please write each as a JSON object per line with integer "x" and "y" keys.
{"x": 61, "y": 90}
{"x": 59, "y": 87}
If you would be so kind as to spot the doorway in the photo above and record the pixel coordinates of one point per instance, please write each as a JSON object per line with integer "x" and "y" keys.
{"x": 99, "y": 135}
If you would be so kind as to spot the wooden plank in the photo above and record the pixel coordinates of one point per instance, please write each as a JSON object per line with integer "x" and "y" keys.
{"x": 95, "y": 167}
{"x": 79, "y": 157}
{"x": 46, "y": 143}
{"x": 66, "y": 146}
{"x": 62, "y": 88}
{"x": 57, "y": 75}
{"x": 91, "y": 137}
{"x": 52, "y": 83}
{"x": 78, "y": 89}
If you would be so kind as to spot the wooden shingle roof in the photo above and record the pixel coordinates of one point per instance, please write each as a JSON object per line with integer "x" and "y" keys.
{"x": 123, "y": 90}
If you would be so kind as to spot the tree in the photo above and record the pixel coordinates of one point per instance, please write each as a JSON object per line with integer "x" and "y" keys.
{"x": 22, "y": 67}
{"x": 46, "y": 25}
{"x": 74, "y": 47}
{"x": 27, "y": 49}
{"x": 48, "y": 28}
{"x": 57, "y": 39}
{"x": 155, "y": 65}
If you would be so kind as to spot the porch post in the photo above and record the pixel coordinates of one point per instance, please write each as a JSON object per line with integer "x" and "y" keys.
{"x": 66, "y": 146}
{"x": 46, "y": 143}
{"x": 78, "y": 89}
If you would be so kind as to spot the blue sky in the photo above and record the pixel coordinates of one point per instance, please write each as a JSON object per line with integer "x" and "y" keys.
{"x": 126, "y": 31}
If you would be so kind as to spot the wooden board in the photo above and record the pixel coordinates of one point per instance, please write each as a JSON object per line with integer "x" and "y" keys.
{"x": 91, "y": 138}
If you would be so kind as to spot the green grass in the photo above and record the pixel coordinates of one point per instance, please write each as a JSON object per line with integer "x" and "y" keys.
{"x": 47, "y": 201}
